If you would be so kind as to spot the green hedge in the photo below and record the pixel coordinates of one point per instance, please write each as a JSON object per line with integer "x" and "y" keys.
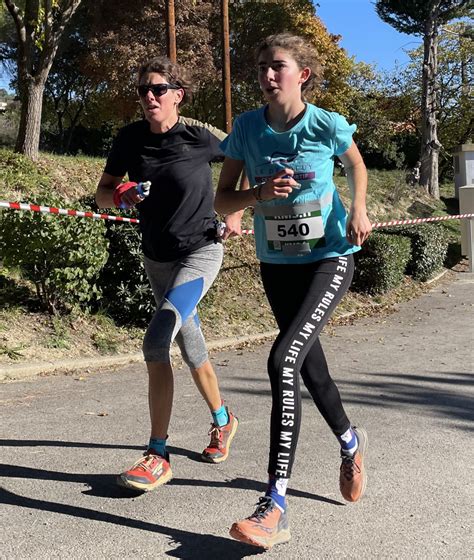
{"x": 127, "y": 295}
{"x": 381, "y": 264}
{"x": 61, "y": 255}
{"x": 429, "y": 247}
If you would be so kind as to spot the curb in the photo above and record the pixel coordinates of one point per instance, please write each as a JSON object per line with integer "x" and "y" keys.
{"x": 24, "y": 371}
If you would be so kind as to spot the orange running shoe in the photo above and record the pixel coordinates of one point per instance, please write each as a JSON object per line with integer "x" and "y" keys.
{"x": 352, "y": 476}
{"x": 221, "y": 438}
{"x": 267, "y": 526}
{"x": 147, "y": 473}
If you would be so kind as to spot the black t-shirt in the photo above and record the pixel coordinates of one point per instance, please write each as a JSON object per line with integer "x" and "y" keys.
{"x": 178, "y": 215}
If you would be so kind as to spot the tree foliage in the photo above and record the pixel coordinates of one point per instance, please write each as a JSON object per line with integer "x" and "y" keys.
{"x": 123, "y": 35}
{"x": 382, "y": 117}
{"x": 409, "y": 16}
{"x": 72, "y": 97}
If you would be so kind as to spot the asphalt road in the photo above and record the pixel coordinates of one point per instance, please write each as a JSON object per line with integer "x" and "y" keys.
{"x": 407, "y": 377}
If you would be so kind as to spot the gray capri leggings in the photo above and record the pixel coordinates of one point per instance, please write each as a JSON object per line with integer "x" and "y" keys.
{"x": 178, "y": 287}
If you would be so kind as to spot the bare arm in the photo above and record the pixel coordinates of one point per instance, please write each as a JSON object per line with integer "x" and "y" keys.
{"x": 104, "y": 195}
{"x": 228, "y": 200}
{"x": 358, "y": 224}
{"x": 233, "y": 221}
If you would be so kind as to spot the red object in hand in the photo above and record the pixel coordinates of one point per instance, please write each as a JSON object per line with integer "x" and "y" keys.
{"x": 120, "y": 189}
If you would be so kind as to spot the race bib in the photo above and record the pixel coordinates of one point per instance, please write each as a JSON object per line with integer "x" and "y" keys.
{"x": 294, "y": 229}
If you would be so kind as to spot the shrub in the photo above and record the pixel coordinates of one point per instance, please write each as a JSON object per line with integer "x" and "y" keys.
{"x": 429, "y": 247}
{"x": 61, "y": 255}
{"x": 127, "y": 295}
{"x": 381, "y": 264}
{"x": 18, "y": 173}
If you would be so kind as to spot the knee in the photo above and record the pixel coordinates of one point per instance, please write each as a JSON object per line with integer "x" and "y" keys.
{"x": 156, "y": 348}
{"x": 159, "y": 336}
{"x": 194, "y": 354}
{"x": 192, "y": 344}
{"x": 195, "y": 360}
{"x": 276, "y": 362}
{"x": 153, "y": 352}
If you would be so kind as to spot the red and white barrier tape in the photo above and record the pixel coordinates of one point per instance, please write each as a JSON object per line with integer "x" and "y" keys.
{"x": 420, "y": 220}
{"x": 80, "y": 214}
{"x": 64, "y": 212}
{"x": 379, "y": 225}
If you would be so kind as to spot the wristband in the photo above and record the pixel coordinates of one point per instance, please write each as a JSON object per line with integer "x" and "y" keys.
{"x": 120, "y": 190}
{"x": 257, "y": 192}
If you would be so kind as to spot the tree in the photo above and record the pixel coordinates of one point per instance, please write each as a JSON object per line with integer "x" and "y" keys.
{"x": 39, "y": 27}
{"x": 455, "y": 79}
{"x": 424, "y": 18}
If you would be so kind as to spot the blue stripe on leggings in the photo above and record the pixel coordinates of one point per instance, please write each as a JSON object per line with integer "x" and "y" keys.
{"x": 185, "y": 297}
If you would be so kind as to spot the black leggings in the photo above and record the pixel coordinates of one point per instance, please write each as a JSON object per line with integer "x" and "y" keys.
{"x": 302, "y": 298}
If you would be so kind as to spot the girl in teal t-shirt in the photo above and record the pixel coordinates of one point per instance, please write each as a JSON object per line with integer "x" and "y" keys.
{"x": 304, "y": 241}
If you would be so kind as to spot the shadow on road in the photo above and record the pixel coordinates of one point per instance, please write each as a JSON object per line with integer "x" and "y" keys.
{"x": 105, "y": 486}
{"x": 55, "y": 443}
{"x": 443, "y": 393}
{"x": 193, "y": 455}
{"x": 190, "y": 545}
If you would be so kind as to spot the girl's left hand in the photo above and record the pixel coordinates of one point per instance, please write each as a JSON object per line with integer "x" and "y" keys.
{"x": 358, "y": 227}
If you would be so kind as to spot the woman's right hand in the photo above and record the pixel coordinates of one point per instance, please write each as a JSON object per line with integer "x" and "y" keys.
{"x": 281, "y": 185}
{"x": 130, "y": 197}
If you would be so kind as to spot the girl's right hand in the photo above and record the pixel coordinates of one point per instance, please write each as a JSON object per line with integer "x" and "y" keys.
{"x": 281, "y": 185}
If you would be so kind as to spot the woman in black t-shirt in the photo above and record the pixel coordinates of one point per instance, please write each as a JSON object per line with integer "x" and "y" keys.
{"x": 182, "y": 252}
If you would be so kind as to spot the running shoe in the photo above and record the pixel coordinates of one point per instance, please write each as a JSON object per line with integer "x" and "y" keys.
{"x": 221, "y": 438}
{"x": 149, "y": 472}
{"x": 352, "y": 476}
{"x": 267, "y": 526}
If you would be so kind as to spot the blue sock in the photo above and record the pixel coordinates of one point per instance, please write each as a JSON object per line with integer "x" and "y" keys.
{"x": 159, "y": 445}
{"x": 276, "y": 490}
{"x": 348, "y": 442}
{"x": 220, "y": 416}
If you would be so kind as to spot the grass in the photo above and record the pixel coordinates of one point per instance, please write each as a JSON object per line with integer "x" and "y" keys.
{"x": 11, "y": 353}
{"x": 236, "y": 304}
{"x": 59, "y": 337}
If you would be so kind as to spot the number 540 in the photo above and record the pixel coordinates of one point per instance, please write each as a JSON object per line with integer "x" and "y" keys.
{"x": 296, "y": 230}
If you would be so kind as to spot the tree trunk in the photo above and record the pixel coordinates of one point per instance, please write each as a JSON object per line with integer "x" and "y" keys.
{"x": 430, "y": 145}
{"x": 27, "y": 142}
{"x": 39, "y": 29}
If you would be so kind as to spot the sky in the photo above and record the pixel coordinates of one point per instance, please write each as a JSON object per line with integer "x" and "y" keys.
{"x": 364, "y": 34}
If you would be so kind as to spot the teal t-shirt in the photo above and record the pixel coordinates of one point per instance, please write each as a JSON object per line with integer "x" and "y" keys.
{"x": 310, "y": 224}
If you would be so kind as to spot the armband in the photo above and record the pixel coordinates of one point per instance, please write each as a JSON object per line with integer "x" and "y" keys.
{"x": 120, "y": 190}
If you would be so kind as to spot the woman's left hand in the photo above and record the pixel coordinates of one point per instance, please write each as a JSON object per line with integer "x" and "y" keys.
{"x": 358, "y": 227}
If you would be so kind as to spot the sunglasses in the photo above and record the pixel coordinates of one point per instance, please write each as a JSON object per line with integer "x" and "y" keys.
{"x": 156, "y": 89}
